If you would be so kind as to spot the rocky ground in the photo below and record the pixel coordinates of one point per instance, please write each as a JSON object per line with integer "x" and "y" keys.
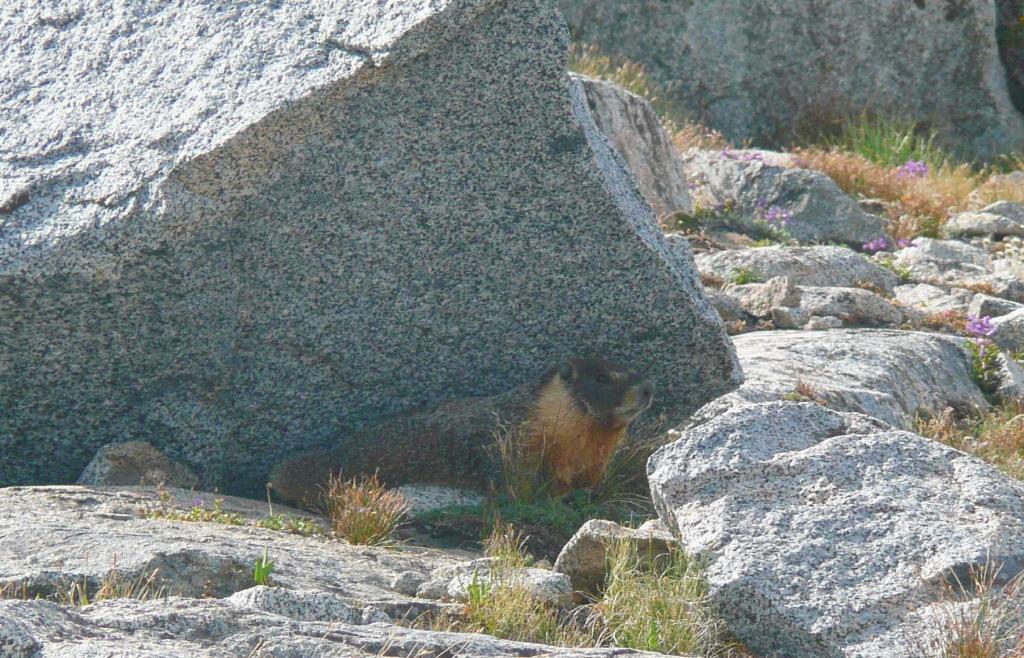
{"x": 254, "y": 255}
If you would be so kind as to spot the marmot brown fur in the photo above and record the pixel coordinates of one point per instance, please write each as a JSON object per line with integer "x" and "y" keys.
{"x": 572, "y": 420}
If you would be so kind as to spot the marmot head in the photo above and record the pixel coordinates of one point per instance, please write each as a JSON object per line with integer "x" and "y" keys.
{"x": 610, "y": 393}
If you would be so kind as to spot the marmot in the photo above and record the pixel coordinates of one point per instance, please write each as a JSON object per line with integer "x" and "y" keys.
{"x": 573, "y": 419}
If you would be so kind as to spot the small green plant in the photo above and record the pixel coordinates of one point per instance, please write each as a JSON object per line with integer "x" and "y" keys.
{"x": 198, "y": 512}
{"x": 362, "y": 510}
{"x": 262, "y": 569}
{"x": 294, "y": 525}
{"x": 664, "y": 608}
{"x": 745, "y": 275}
{"x": 888, "y": 141}
{"x": 902, "y": 271}
{"x": 985, "y": 367}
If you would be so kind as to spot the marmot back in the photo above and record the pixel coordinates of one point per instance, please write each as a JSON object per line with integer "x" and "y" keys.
{"x": 572, "y": 420}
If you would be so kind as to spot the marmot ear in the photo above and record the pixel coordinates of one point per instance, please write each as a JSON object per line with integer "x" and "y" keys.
{"x": 566, "y": 371}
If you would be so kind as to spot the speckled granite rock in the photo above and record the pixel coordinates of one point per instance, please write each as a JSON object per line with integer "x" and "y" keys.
{"x": 752, "y": 187}
{"x": 453, "y": 582}
{"x": 309, "y": 218}
{"x": 803, "y": 266}
{"x": 55, "y": 534}
{"x": 826, "y": 531}
{"x": 584, "y": 557}
{"x": 630, "y": 124}
{"x": 423, "y": 498}
{"x": 135, "y": 462}
{"x": 218, "y": 628}
{"x": 759, "y": 299}
{"x": 982, "y": 305}
{"x": 767, "y": 70}
{"x": 1010, "y": 330}
{"x": 889, "y": 374}
{"x": 854, "y": 306}
{"x": 997, "y": 220}
{"x": 950, "y": 263}
{"x": 933, "y": 299}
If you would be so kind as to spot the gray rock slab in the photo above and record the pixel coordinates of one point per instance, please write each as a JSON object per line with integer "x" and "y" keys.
{"x": 759, "y": 299}
{"x": 827, "y": 531}
{"x": 631, "y": 125}
{"x": 135, "y": 463}
{"x": 803, "y": 266}
{"x": 751, "y": 187}
{"x": 853, "y": 305}
{"x": 241, "y": 233}
{"x": 933, "y": 299}
{"x": 888, "y": 374}
{"x": 759, "y": 71}
{"x": 584, "y": 558}
{"x": 998, "y": 220}
{"x": 982, "y": 305}
{"x": 218, "y": 628}
{"x": 1010, "y": 330}
{"x": 55, "y": 535}
{"x": 949, "y": 263}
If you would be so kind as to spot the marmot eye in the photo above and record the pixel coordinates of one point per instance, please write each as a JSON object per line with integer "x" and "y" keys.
{"x": 602, "y": 378}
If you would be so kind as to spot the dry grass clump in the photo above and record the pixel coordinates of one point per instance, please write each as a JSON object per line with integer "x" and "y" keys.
{"x": 918, "y": 205}
{"x": 362, "y": 510}
{"x": 113, "y": 586}
{"x": 664, "y": 608}
{"x": 996, "y": 435}
{"x": 979, "y": 620}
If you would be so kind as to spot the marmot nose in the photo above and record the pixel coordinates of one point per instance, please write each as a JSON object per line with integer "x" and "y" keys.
{"x": 647, "y": 390}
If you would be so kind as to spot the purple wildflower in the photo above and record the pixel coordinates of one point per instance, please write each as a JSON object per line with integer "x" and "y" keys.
{"x": 981, "y": 327}
{"x": 982, "y": 330}
{"x": 773, "y": 215}
{"x": 876, "y": 245}
{"x": 912, "y": 169}
{"x": 198, "y": 502}
{"x": 903, "y": 243}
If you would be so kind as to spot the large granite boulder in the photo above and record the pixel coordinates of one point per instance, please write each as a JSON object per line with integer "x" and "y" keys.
{"x": 828, "y": 533}
{"x": 770, "y": 69}
{"x": 238, "y": 232}
{"x": 631, "y": 125}
{"x": 888, "y": 374}
{"x": 1010, "y": 36}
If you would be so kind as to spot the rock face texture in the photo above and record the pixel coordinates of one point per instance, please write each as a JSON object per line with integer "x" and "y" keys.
{"x": 803, "y": 266}
{"x": 769, "y": 69}
{"x": 294, "y": 229}
{"x": 134, "y": 463}
{"x": 234, "y": 628}
{"x": 826, "y": 532}
{"x": 58, "y": 535}
{"x": 756, "y": 192}
{"x": 631, "y": 125}
{"x": 327, "y": 599}
{"x": 888, "y": 374}
{"x": 998, "y": 220}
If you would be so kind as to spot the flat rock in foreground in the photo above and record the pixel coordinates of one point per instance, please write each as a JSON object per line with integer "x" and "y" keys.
{"x": 827, "y": 532}
{"x": 328, "y": 598}
{"x": 243, "y": 240}
{"x": 218, "y": 628}
{"x": 888, "y": 374}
